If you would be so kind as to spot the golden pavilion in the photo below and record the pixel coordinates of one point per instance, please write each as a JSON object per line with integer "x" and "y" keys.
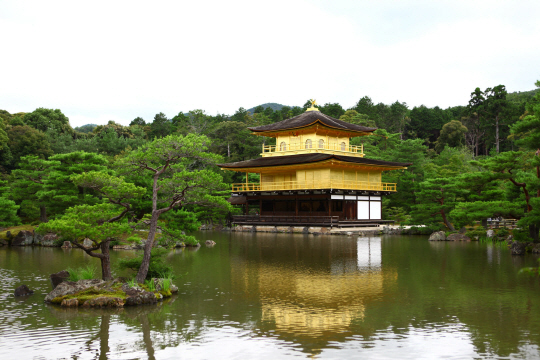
{"x": 312, "y": 176}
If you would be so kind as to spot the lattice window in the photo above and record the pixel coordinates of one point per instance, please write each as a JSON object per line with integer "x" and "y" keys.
{"x": 308, "y": 144}
{"x": 283, "y": 146}
{"x": 321, "y": 144}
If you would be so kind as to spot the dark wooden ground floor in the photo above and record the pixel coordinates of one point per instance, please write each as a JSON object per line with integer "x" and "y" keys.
{"x": 304, "y": 209}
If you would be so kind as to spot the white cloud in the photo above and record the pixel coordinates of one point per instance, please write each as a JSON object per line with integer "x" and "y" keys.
{"x": 103, "y": 61}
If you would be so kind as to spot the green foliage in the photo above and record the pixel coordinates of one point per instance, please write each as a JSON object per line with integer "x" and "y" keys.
{"x": 58, "y": 191}
{"x": 157, "y": 266}
{"x": 43, "y": 119}
{"x": 521, "y": 235}
{"x": 8, "y": 208}
{"x": 160, "y": 127}
{"x": 88, "y": 128}
{"x": 436, "y": 197}
{"x": 88, "y": 221}
{"x": 82, "y": 273}
{"x": 151, "y": 285}
{"x": 137, "y": 121}
{"x": 503, "y": 232}
{"x": 452, "y": 134}
{"x": 398, "y": 214}
{"x": 477, "y": 233}
{"x": 133, "y": 239}
{"x": 166, "y": 283}
{"x": 132, "y": 283}
{"x": 8, "y": 213}
{"x": 25, "y": 140}
{"x": 420, "y": 230}
{"x": 467, "y": 213}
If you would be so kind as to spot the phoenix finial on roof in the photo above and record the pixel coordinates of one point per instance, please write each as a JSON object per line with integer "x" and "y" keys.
{"x": 313, "y": 104}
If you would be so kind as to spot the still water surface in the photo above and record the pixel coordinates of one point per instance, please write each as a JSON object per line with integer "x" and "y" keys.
{"x": 279, "y": 296}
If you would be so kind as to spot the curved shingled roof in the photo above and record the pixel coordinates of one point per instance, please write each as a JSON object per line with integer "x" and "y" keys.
{"x": 306, "y": 158}
{"x": 308, "y": 118}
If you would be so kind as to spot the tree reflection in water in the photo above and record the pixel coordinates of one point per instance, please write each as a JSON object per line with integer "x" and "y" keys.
{"x": 139, "y": 320}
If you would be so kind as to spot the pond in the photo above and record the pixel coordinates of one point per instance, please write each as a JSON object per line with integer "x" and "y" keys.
{"x": 279, "y": 296}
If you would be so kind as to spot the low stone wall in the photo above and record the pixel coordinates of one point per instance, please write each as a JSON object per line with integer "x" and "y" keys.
{"x": 31, "y": 238}
{"x": 315, "y": 230}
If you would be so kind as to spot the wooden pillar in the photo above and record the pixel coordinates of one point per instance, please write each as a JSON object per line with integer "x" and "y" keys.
{"x": 329, "y": 205}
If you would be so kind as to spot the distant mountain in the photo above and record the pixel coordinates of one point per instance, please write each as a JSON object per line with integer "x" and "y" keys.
{"x": 521, "y": 96}
{"x": 88, "y": 128}
{"x": 273, "y": 106}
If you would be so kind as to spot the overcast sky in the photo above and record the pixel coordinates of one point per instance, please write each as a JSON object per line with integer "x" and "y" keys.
{"x": 115, "y": 60}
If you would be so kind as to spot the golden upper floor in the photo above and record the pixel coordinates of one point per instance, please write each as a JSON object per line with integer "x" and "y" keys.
{"x": 312, "y": 132}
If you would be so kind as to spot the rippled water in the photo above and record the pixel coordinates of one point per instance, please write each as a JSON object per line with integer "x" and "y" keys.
{"x": 269, "y": 296}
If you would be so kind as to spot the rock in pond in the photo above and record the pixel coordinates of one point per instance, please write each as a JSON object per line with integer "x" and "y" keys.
{"x": 458, "y": 237}
{"x": 137, "y": 296}
{"x": 58, "y": 278}
{"x": 70, "y": 287}
{"x": 87, "y": 243}
{"x": 67, "y": 245}
{"x": 23, "y": 290}
{"x": 23, "y": 238}
{"x": 518, "y": 248}
{"x": 490, "y": 233}
{"x": 49, "y": 240}
{"x": 210, "y": 242}
{"x": 437, "y": 236}
{"x": 125, "y": 247}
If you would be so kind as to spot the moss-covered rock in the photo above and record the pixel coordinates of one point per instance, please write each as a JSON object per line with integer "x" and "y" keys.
{"x": 99, "y": 293}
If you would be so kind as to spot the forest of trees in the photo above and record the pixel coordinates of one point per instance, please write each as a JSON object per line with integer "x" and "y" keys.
{"x": 470, "y": 162}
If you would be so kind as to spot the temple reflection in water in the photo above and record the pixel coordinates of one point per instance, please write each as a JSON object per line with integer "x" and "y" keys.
{"x": 306, "y": 295}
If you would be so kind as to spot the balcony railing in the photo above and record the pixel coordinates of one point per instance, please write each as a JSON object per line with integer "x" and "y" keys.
{"x": 350, "y": 150}
{"x": 314, "y": 185}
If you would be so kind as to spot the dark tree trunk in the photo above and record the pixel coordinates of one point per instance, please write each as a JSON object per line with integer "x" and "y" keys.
{"x": 104, "y": 257}
{"x": 446, "y": 222}
{"x": 43, "y": 214}
{"x": 143, "y": 270}
{"x": 106, "y": 273}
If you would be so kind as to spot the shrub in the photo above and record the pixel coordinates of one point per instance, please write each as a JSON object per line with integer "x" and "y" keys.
{"x": 150, "y": 284}
{"x": 133, "y": 239}
{"x": 191, "y": 241}
{"x": 503, "y": 232}
{"x": 521, "y": 235}
{"x": 82, "y": 273}
{"x": 59, "y": 241}
{"x": 418, "y": 230}
{"x": 132, "y": 283}
{"x": 166, "y": 284}
{"x": 157, "y": 263}
{"x": 478, "y": 233}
